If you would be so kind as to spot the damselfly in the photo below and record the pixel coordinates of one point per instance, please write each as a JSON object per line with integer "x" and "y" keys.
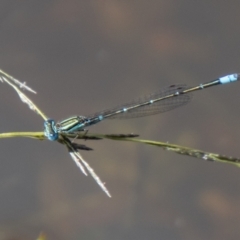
{"x": 161, "y": 101}
{"x": 164, "y": 100}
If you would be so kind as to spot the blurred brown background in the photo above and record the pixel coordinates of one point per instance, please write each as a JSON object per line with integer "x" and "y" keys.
{"x": 84, "y": 56}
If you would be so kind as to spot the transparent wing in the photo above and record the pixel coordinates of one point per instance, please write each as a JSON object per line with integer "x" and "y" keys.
{"x": 162, "y": 105}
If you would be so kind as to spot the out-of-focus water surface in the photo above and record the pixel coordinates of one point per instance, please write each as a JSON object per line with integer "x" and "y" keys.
{"x": 85, "y": 56}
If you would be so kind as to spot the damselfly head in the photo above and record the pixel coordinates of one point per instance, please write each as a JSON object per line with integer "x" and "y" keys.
{"x": 50, "y": 130}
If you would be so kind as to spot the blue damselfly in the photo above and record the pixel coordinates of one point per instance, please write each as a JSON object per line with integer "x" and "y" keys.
{"x": 163, "y": 100}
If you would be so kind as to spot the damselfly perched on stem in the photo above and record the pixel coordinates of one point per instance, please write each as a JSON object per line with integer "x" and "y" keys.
{"x": 164, "y": 100}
